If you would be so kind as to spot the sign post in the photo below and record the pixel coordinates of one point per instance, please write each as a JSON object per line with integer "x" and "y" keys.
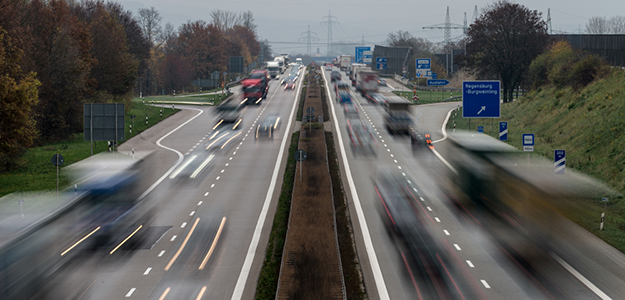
{"x": 503, "y": 131}
{"x": 559, "y": 164}
{"x": 57, "y": 160}
{"x": 423, "y": 67}
{"x": 381, "y": 63}
{"x": 311, "y": 112}
{"x": 605, "y": 202}
{"x": 480, "y": 129}
{"x": 300, "y": 156}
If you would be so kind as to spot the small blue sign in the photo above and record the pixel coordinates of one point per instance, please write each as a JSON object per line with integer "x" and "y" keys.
{"x": 528, "y": 139}
{"x": 480, "y": 129}
{"x": 559, "y": 164}
{"x": 381, "y": 66}
{"x": 433, "y": 75}
{"x": 438, "y": 82}
{"x": 380, "y": 60}
{"x": 480, "y": 99}
{"x": 423, "y": 63}
{"x": 503, "y": 131}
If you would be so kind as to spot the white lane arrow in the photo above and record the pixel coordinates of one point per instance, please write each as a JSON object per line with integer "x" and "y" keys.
{"x": 481, "y": 110}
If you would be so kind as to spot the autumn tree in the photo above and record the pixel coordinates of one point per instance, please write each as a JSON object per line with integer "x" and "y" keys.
{"x": 503, "y": 41}
{"x": 175, "y": 72}
{"x": 204, "y": 46}
{"x": 60, "y": 56}
{"x": 18, "y": 95}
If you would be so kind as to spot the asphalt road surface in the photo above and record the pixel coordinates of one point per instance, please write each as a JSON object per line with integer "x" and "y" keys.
{"x": 583, "y": 268}
{"x": 209, "y": 234}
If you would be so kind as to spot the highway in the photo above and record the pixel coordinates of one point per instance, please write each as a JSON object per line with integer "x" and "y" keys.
{"x": 593, "y": 270}
{"x": 209, "y": 233}
{"x": 208, "y": 237}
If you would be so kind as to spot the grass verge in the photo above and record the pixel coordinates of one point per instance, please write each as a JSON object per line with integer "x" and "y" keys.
{"x": 270, "y": 271}
{"x": 588, "y": 124}
{"x": 300, "y": 105}
{"x": 212, "y": 99}
{"x": 426, "y": 97}
{"x": 354, "y": 287}
{"x": 38, "y": 174}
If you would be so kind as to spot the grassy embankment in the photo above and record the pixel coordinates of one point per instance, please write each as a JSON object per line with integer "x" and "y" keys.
{"x": 201, "y": 99}
{"x": 38, "y": 174}
{"x": 590, "y": 125}
{"x": 426, "y": 97}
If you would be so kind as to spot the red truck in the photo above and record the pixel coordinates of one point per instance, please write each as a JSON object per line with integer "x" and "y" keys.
{"x": 255, "y": 87}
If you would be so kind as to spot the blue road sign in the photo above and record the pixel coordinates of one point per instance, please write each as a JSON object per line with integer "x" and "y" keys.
{"x": 380, "y": 60}
{"x": 438, "y": 82}
{"x": 528, "y": 139}
{"x": 480, "y": 129}
{"x": 559, "y": 160}
{"x": 433, "y": 75}
{"x": 381, "y": 66}
{"x": 480, "y": 99}
{"x": 423, "y": 63}
{"x": 503, "y": 131}
{"x": 359, "y": 53}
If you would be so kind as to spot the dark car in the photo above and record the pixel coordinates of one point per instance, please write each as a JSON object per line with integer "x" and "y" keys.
{"x": 335, "y": 75}
{"x": 382, "y": 82}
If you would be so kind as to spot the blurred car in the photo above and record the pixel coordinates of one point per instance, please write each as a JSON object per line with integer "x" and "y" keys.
{"x": 420, "y": 141}
{"x": 290, "y": 84}
{"x": 361, "y": 136}
{"x": 335, "y": 75}
{"x": 350, "y": 109}
{"x": 222, "y": 139}
{"x": 328, "y": 67}
{"x": 376, "y": 98}
{"x": 382, "y": 82}
{"x": 343, "y": 97}
{"x": 229, "y": 114}
{"x": 271, "y": 124}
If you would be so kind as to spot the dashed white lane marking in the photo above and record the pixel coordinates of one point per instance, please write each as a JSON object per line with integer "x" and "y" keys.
{"x": 190, "y": 150}
{"x": 193, "y": 147}
{"x": 147, "y": 271}
{"x": 421, "y": 198}
{"x": 234, "y": 153}
{"x": 198, "y": 143}
{"x": 230, "y": 158}
{"x": 192, "y": 213}
{"x": 161, "y": 253}
{"x": 132, "y": 290}
{"x": 205, "y": 194}
{"x": 227, "y": 164}
{"x": 404, "y": 174}
{"x": 395, "y": 160}
{"x": 392, "y": 155}
{"x": 173, "y": 238}
{"x": 217, "y": 178}
{"x": 485, "y": 284}
{"x": 200, "y": 203}
{"x": 389, "y": 150}
{"x": 470, "y": 264}
{"x": 186, "y": 153}
{"x": 183, "y": 224}
{"x": 382, "y": 140}
{"x": 212, "y": 185}
{"x": 399, "y": 167}
{"x": 437, "y": 219}
{"x": 223, "y": 170}
{"x": 430, "y": 209}
{"x": 457, "y": 247}
{"x": 415, "y": 190}
{"x": 446, "y": 232}
{"x": 385, "y": 145}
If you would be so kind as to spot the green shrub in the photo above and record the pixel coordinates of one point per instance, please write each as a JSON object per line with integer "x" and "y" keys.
{"x": 587, "y": 69}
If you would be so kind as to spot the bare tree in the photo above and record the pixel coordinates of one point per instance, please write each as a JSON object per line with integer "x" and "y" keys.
{"x": 405, "y": 39}
{"x": 247, "y": 20}
{"x": 167, "y": 35}
{"x": 150, "y": 21}
{"x": 597, "y": 25}
{"x": 617, "y": 25}
{"x": 225, "y": 19}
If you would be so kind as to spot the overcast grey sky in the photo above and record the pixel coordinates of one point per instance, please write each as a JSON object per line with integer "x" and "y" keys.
{"x": 285, "y": 21}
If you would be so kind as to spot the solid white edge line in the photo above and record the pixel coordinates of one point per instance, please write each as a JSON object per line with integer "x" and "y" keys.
{"x": 251, "y": 252}
{"x": 180, "y": 156}
{"x": 445, "y": 125}
{"x": 373, "y": 260}
{"x": 580, "y": 277}
{"x": 485, "y": 283}
{"x": 444, "y": 161}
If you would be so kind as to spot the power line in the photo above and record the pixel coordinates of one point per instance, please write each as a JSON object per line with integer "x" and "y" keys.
{"x": 448, "y": 26}
{"x": 309, "y": 37}
{"x": 329, "y": 20}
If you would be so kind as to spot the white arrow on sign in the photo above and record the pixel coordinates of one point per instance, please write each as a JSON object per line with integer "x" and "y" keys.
{"x": 481, "y": 110}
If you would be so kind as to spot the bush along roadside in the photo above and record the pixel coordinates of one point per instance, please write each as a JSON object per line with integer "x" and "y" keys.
{"x": 270, "y": 271}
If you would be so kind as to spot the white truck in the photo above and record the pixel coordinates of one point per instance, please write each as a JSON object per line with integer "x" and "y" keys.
{"x": 274, "y": 69}
{"x": 346, "y": 60}
{"x": 281, "y": 63}
{"x": 366, "y": 81}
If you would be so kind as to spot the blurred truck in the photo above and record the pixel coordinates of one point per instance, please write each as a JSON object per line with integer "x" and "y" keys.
{"x": 255, "y": 87}
{"x": 397, "y": 118}
{"x": 346, "y": 60}
{"x": 366, "y": 81}
{"x": 273, "y": 68}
